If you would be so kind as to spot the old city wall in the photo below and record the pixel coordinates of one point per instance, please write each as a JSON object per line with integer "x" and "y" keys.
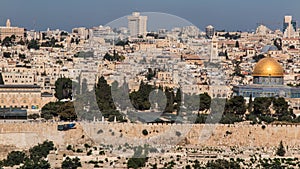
{"x": 25, "y": 135}
{"x": 205, "y": 135}
{"x": 20, "y": 136}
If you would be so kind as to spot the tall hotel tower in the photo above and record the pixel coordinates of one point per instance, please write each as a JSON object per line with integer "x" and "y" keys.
{"x": 289, "y": 27}
{"x": 137, "y": 24}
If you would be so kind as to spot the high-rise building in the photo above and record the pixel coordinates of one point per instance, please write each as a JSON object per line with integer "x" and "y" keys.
{"x": 137, "y": 24}
{"x": 8, "y": 31}
{"x": 289, "y": 27}
{"x": 81, "y": 32}
{"x": 210, "y": 31}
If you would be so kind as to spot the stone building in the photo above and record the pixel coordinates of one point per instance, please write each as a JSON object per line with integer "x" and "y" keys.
{"x": 268, "y": 81}
{"x": 8, "y": 31}
{"x": 23, "y": 96}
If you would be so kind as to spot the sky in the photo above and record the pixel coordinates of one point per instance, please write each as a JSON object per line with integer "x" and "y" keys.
{"x": 230, "y": 15}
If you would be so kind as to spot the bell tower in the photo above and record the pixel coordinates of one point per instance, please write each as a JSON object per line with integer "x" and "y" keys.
{"x": 8, "y": 23}
{"x": 214, "y": 49}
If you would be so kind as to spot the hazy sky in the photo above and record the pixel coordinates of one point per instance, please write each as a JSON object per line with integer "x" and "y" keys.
{"x": 223, "y": 14}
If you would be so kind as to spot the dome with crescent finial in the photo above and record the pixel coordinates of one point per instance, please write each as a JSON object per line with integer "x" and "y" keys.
{"x": 268, "y": 67}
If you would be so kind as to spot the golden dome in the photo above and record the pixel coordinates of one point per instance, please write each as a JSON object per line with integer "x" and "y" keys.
{"x": 268, "y": 67}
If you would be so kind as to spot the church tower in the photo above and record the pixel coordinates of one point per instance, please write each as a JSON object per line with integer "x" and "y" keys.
{"x": 214, "y": 49}
{"x": 8, "y": 23}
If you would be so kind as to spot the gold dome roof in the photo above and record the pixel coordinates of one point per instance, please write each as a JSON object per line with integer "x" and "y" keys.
{"x": 268, "y": 67}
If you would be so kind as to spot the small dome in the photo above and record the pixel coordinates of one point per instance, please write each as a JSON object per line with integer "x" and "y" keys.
{"x": 268, "y": 67}
{"x": 269, "y": 48}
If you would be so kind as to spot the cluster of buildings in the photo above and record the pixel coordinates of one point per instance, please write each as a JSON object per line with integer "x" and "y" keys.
{"x": 220, "y": 63}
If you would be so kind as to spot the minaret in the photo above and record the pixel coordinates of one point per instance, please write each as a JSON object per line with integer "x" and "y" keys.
{"x": 214, "y": 49}
{"x": 8, "y": 23}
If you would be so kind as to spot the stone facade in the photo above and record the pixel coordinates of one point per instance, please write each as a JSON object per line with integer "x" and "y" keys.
{"x": 23, "y": 96}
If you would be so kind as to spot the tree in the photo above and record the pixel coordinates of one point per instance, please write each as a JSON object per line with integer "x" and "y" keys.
{"x": 1, "y": 79}
{"x": 50, "y": 110}
{"x": 63, "y": 33}
{"x": 205, "y": 101}
{"x": 41, "y": 151}
{"x": 139, "y": 158}
{"x": 226, "y": 55}
{"x": 223, "y": 164}
{"x": 67, "y": 112}
{"x": 7, "y": 42}
{"x": 22, "y": 56}
{"x": 154, "y": 166}
{"x": 139, "y": 98}
{"x": 69, "y": 163}
{"x": 280, "y": 106}
{"x": 261, "y": 105}
{"x": 6, "y": 54}
{"x": 77, "y": 41}
{"x": 21, "y": 42}
{"x": 230, "y": 118}
{"x": 236, "y": 105}
{"x": 188, "y": 167}
{"x": 136, "y": 162}
{"x": 150, "y": 74}
{"x": 63, "y": 88}
{"x": 170, "y": 100}
{"x": 14, "y": 158}
{"x": 250, "y": 104}
{"x": 36, "y": 158}
{"x": 201, "y": 119}
{"x": 178, "y": 99}
{"x": 33, "y": 44}
{"x": 114, "y": 57}
{"x": 280, "y": 150}
{"x": 105, "y": 101}
{"x": 196, "y": 165}
{"x": 103, "y": 94}
{"x": 33, "y": 116}
{"x": 237, "y": 44}
{"x": 13, "y": 38}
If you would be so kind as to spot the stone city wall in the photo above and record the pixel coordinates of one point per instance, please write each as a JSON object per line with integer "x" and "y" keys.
{"x": 21, "y": 136}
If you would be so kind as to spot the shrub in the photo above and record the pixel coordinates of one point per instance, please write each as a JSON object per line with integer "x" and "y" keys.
{"x": 14, "y": 158}
{"x": 79, "y": 151}
{"x": 280, "y": 151}
{"x": 71, "y": 163}
{"x": 69, "y": 147}
{"x": 145, "y": 132}
{"x": 89, "y": 153}
{"x": 33, "y": 116}
{"x": 136, "y": 162}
